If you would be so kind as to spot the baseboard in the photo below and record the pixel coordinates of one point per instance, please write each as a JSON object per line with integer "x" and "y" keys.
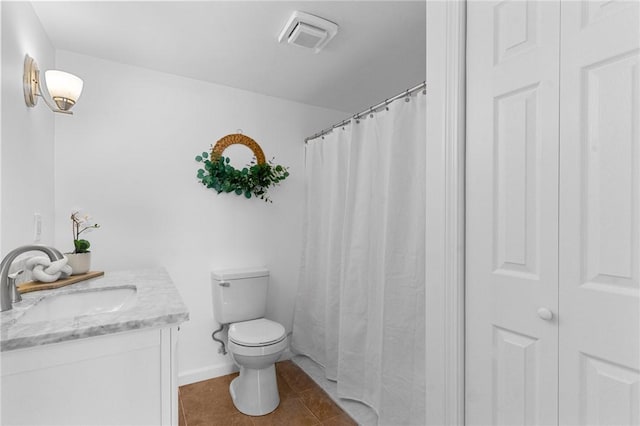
{"x": 206, "y": 373}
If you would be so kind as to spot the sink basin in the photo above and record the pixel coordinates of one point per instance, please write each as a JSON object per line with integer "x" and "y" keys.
{"x": 79, "y": 303}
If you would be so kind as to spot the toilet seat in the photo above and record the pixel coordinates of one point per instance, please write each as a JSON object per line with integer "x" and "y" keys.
{"x": 256, "y": 333}
{"x": 257, "y": 351}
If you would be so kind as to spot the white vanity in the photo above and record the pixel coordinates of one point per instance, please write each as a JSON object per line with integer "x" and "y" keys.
{"x": 98, "y": 352}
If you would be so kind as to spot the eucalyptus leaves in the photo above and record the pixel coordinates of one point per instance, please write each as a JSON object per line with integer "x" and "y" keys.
{"x": 253, "y": 180}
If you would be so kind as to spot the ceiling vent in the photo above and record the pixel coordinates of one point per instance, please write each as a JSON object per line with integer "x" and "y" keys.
{"x": 309, "y": 31}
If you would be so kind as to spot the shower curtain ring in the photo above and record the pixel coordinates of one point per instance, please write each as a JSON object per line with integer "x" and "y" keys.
{"x": 407, "y": 99}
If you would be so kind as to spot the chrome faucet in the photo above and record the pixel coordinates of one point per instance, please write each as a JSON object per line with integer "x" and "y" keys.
{"x": 6, "y": 283}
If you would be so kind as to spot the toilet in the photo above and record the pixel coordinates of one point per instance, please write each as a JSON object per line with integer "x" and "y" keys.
{"x": 255, "y": 343}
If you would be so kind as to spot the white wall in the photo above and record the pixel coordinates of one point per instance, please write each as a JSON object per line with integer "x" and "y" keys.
{"x": 127, "y": 157}
{"x": 26, "y": 155}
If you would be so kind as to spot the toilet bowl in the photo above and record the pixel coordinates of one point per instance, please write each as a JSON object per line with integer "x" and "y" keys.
{"x": 255, "y": 346}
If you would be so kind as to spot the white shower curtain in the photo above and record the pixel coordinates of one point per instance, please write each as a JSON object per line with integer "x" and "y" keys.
{"x": 360, "y": 309}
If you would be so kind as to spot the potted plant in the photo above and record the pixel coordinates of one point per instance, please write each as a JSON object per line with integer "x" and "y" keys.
{"x": 80, "y": 258}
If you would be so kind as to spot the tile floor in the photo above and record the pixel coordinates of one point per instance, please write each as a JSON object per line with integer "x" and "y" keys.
{"x": 302, "y": 402}
{"x": 361, "y": 413}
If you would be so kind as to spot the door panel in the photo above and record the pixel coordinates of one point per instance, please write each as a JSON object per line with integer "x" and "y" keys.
{"x": 512, "y": 212}
{"x": 515, "y": 376}
{"x": 516, "y": 243}
{"x": 609, "y": 393}
{"x": 599, "y": 214}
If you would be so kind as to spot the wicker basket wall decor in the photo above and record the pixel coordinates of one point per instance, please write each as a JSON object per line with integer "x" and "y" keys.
{"x": 254, "y": 180}
{"x": 237, "y": 139}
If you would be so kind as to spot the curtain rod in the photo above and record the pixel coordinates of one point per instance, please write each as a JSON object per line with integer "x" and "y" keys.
{"x": 372, "y": 109}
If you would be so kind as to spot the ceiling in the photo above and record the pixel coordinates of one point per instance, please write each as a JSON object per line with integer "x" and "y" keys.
{"x": 379, "y": 51}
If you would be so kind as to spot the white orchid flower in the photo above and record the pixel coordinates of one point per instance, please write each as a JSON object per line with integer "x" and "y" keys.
{"x": 86, "y": 221}
{"x": 82, "y": 222}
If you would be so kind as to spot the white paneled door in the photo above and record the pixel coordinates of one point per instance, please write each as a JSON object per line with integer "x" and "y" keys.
{"x": 599, "y": 325}
{"x": 552, "y": 224}
{"x": 512, "y": 212}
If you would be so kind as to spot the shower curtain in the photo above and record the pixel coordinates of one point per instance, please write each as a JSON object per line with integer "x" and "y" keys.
{"x": 360, "y": 308}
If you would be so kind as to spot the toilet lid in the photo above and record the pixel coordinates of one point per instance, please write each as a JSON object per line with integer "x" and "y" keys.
{"x": 259, "y": 332}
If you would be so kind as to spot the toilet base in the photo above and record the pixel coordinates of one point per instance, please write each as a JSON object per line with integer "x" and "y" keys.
{"x": 255, "y": 392}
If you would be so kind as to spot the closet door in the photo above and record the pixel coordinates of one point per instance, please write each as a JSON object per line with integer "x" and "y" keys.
{"x": 600, "y": 213}
{"x": 512, "y": 212}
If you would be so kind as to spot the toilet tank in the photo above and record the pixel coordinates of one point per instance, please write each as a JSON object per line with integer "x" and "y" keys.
{"x": 239, "y": 294}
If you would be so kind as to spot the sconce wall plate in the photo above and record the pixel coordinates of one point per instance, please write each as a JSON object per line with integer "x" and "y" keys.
{"x": 30, "y": 81}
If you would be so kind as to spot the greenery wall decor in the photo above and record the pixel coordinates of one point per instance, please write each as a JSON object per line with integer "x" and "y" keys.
{"x": 253, "y": 180}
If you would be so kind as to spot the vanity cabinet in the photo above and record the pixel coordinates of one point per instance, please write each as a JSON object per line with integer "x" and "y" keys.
{"x": 128, "y": 378}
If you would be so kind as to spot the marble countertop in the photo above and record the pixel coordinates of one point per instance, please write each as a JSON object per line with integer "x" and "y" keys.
{"x": 157, "y": 304}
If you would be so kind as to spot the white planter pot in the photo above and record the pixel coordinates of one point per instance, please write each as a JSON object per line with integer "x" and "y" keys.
{"x": 80, "y": 262}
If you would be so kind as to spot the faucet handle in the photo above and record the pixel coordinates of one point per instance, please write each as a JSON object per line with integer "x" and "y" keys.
{"x": 13, "y": 288}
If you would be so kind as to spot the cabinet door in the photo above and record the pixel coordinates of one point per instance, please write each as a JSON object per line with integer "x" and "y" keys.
{"x": 599, "y": 213}
{"x": 118, "y": 379}
{"x": 512, "y": 212}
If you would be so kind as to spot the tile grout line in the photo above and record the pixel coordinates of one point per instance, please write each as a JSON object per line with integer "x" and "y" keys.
{"x": 322, "y": 422}
{"x": 333, "y": 397}
{"x": 297, "y": 395}
{"x": 309, "y": 408}
{"x": 312, "y": 413}
{"x": 302, "y": 400}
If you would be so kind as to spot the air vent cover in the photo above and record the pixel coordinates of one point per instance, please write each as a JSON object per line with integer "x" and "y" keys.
{"x": 308, "y": 31}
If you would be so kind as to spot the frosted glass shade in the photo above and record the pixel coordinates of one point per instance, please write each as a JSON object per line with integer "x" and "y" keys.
{"x": 64, "y": 88}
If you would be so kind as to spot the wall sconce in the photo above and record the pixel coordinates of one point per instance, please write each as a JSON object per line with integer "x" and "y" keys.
{"x": 64, "y": 88}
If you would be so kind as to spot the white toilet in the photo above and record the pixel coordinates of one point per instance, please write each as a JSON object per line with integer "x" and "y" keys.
{"x": 255, "y": 343}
